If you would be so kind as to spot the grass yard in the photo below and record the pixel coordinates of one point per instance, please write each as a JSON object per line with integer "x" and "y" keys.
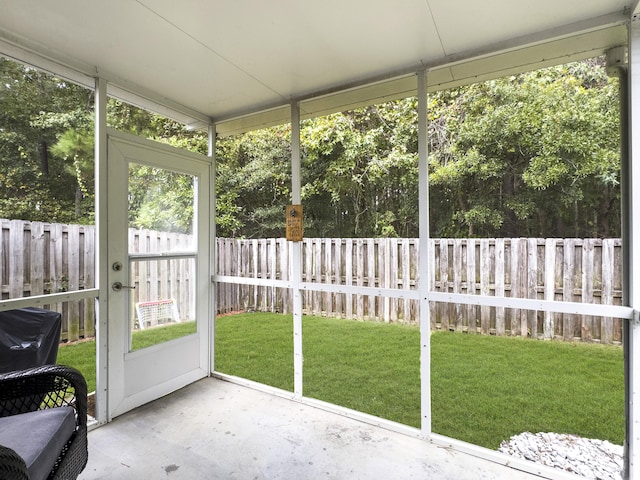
{"x": 153, "y": 336}
{"x": 82, "y": 355}
{"x": 484, "y": 389}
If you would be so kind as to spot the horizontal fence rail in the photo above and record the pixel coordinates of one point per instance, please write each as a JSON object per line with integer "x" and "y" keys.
{"x": 573, "y": 270}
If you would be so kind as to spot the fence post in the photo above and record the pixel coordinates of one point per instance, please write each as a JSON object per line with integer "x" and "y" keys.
{"x": 471, "y": 284}
{"x": 499, "y": 283}
{"x": 568, "y": 285}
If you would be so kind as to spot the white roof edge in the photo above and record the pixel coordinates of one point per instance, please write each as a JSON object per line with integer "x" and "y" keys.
{"x": 490, "y": 61}
{"x": 510, "y": 60}
{"x": 21, "y": 51}
{"x": 20, "y": 54}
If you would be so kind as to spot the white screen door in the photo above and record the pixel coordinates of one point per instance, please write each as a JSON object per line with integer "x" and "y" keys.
{"x": 158, "y": 250}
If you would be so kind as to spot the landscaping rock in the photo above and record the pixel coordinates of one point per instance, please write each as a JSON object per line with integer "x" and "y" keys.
{"x": 593, "y": 459}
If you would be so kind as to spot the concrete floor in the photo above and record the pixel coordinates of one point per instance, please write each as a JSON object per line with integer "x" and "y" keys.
{"x": 214, "y": 429}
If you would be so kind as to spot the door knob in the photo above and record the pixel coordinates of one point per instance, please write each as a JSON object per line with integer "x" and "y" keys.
{"x": 117, "y": 286}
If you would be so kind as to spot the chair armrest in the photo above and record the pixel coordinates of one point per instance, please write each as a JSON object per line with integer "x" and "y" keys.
{"x": 43, "y": 387}
{"x": 12, "y": 466}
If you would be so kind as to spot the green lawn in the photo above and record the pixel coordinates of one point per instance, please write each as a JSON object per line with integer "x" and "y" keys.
{"x": 82, "y": 355}
{"x": 484, "y": 389}
{"x": 153, "y": 336}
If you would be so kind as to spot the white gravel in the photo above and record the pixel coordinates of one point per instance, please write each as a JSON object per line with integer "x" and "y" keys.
{"x": 593, "y": 459}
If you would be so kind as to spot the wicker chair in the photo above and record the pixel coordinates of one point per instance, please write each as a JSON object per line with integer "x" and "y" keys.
{"x": 34, "y": 400}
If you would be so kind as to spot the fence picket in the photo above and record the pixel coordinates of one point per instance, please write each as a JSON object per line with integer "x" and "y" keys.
{"x": 337, "y": 276}
{"x": 359, "y": 276}
{"x": 307, "y": 272}
{"x": 607, "y": 289}
{"x": 457, "y": 283}
{"x": 348, "y": 276}
{"x": 443, "y": 272}
{"x": 586, "y": 332}
{"x": 73, "y": 274}
{"x": 16, "y": 259}
{"x": 371, "y": 278}
{"x": 88, "y": 313}
{"x": 327, "y": 274}
{"x": 568, "y": 285}
{"x": 472, "y": 324}
{"x": 36, "y": 276}
{"x": 485, "y": 290}
{"x": 532, "y": 284}
{"x": 549, "y": 286}
{"x": 500, "y": 284}
{"x": 406, "y": 278}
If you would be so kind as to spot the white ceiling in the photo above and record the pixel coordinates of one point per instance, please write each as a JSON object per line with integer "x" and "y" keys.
{"x": 225, "y": 60}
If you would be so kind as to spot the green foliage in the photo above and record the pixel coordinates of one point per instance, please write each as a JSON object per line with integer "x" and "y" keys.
{"x": 535, "y": 154}
{"x": 47, "y": 151}
{"x": 35, "y": 110}
{"x": 359, "y": 176}
{"x": 253, "y": 183}
{"x": 360, "y": 172}
{"x": 76, "y": 148}
{"x": 161, "y": 199}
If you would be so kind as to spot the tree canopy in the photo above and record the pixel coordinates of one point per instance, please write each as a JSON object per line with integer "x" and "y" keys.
{"x": 535, "y": 154}
{"x": 47, "y": 151}
{"x": 38, "y": 182}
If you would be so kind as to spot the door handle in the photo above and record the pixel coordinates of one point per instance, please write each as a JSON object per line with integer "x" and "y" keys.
{"x": 117, "y": 286}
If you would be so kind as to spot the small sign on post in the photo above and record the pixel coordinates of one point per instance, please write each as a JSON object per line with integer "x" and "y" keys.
{"x": 294, "y": 223}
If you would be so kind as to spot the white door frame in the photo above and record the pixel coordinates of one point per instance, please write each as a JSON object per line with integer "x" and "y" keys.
{"x": 138, "y": 377}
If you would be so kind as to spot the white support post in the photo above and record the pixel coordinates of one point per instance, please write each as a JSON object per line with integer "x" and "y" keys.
{"x": 101, "y": 273}
{"x": 631, "y": 238}
{"x": 296, "y": 261}
{"x": 213, "y": 247}
{"x": 424, "y": 266}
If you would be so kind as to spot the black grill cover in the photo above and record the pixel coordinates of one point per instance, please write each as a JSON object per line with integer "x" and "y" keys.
{"x": 29, "y": 337}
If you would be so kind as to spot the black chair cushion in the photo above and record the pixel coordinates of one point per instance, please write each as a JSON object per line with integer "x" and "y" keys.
{"x": 38, "y": 437}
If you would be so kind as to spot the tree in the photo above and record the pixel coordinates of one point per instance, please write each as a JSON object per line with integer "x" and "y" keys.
{"x": 159, "y": 199}
{"x": 253, "y": 183}
{"x": 35, "y": 108}
{"x": 535, "y": 154}
{"x": 360, "y": 171}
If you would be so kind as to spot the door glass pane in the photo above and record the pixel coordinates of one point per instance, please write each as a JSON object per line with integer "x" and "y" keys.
{"x": 162, "y": 250}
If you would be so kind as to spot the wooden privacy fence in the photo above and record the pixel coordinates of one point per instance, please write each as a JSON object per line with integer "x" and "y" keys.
{"x": 163, "y": 278}
{"x": 575, "y": 270}
{"x": 43, "y": 258}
